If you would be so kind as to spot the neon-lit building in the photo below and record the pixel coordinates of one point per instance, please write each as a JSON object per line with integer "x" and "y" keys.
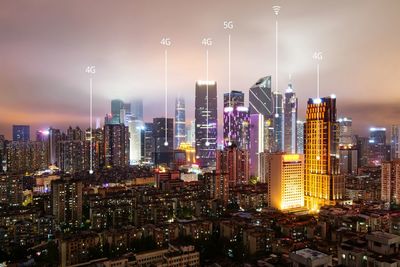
{"x": 285, "y": 177}
{"x": 206, "y": 118}
{"x": 236, "y": 120}
{"x": 378, "y": 151}
{"x": 180, "y": 122}
{"x": 190, "y": 152}
{"x": 136, "y": 127}
{"x": 323, "y": 183}
{"x": 278, "y": 122}
{"x": 300, "y": 137}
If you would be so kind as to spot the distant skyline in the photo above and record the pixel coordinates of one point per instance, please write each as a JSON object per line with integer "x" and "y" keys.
{"x": 46, "y": 45}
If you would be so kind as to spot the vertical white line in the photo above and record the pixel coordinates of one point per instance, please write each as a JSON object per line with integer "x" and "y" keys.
{"x": 207, "y": 142}
{"x": 276, "y": 65}
{"x": 318, "y": 80}
{"x": 166, "y": 94}
{"x": 229, "y": 89}
{"x": 91, "y": 123}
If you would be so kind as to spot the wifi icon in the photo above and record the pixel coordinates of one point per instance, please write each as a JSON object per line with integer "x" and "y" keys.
{"x": 276, "y": 9}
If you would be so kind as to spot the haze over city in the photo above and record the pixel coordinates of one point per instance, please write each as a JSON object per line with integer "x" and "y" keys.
{"x": 46, "y": 45}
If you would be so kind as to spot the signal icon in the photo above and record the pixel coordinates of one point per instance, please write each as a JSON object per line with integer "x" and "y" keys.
{"x": 276, "y": 9}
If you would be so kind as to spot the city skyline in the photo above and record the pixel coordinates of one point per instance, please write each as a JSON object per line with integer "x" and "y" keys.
{"x": 44, "y": 87}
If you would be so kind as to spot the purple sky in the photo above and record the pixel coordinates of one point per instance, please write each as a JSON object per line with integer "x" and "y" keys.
{"x": 45, "y": 46}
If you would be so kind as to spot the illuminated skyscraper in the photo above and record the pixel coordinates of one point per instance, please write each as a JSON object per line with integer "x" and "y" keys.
{"x": 135, "y": 143}
{"x": 191, "y": 133}
{"x": 290, "y": 121}
{"x": 236, "y": 120}
{"x": 116, "y": 145}
{"x": 260, "y": 97}
{"x": 378, "y": 151}
{"x": 256, "y": 144}
{"x": 278, "y": 122}
{"x": 300, "y": 137}
{"x": 54, "y": 137}
{"x": 285, "y": 177}
{"x": 395, "y": 142}
{"x": 148, "y": 142}
{"x": 234, "y": 162}
{"x": 323, "y": 184}
{"x": 21, "y": 133}
{"x": 180, "y": 122}
{"x": 206, "y": 118}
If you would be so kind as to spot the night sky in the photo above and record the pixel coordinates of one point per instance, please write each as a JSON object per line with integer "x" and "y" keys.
{"x": 46, "y": 45}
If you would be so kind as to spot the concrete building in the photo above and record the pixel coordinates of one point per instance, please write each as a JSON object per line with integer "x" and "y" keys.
{"x": 310, "y": 258}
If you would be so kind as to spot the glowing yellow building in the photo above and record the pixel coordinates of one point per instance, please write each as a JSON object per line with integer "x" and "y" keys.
{"x": 190, "y": 152}
{"x": 323, "y": 185}
{"x": 285, "y": 176}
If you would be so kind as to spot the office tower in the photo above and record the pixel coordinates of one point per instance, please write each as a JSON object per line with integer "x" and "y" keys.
{"x": 149, "y": 142}
{"x": 128, "y": 113}
{"x": 54, "y": 137}
{"x": 395, "y": 142}
{"x": 362, "y": 144}
{"x": 117, "y": 109}
{"x": 72, "y": 156}
{"x": 278, "y": 122}
{"x": 66, "y": 201}
{"x": 136, "y": 127}
{"x": 11, "y": 190}
{"x": 234, "y": 162}
{"x": 300, "y": 137}
{"x": 390, "y": 182}
{"x": 290, "y": 121}
{"x": 346, "y": 131}
{"x": 323, "y": 184}
{"x": 116, "y": 145}
{"x": 348, "y": 160}
{"x": 137, "y": 109}
{"x": 163, "y": 134}
{"x": 180, "y": 121}
{"x": 236, "y": 120}
{"x": 191, "y": 133}
{"x": 260, "y": 97}
{"x": 217, "y": 186}
{"x": 377, "y": 148}
{"x": 26, "y": 156}
{"x": 285, "y": 177}
{"x": 206, "y": 119}
{"x": 21, "y": 133}
{"x": 256, "y": 144}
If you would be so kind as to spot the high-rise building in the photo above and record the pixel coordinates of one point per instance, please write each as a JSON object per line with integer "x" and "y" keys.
{"x": 395, "y": 142}
{"x": 323, "y": 183}
{"x": 362, "y": 144}
{"x": 206, "y": 118}
{"x": 136, "y": 127}
{"x": 180, "y": 122}
{"x": 2, "y": 152}
{"x": 278, "y": 122}
{"x": 117, "y": 112}
{"x": 390, "y": 182}
{"x": 285, "y": 177}
{"x": 116, "y": 145}
{"x": 72, "y": 157}
{"x": 260, "y": 97}
{"x": 149, "y": 142}
{"x": 21, "y": 133}
{"x": 66, "y": 201}
{"x": 377, "y": 149}
{"x": 234, "y": 162}
{"x": 300, "y": 137}
{"x": 290, "y": 121}
{"x": 26, "y": 156}
{"x": 348, "y": 159}
{"x": 257, "y": 126}
{"x": 346, "y": 131}
{"x": 11, "y": 190}
{"x": 217, "y": 186}
{"x": 54, "y": 137}
{"x": 191, "y": 133}
{"x": 137, "y": 109}
{"x": 236, "y": 120}
{"x": 163, "y": 134}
